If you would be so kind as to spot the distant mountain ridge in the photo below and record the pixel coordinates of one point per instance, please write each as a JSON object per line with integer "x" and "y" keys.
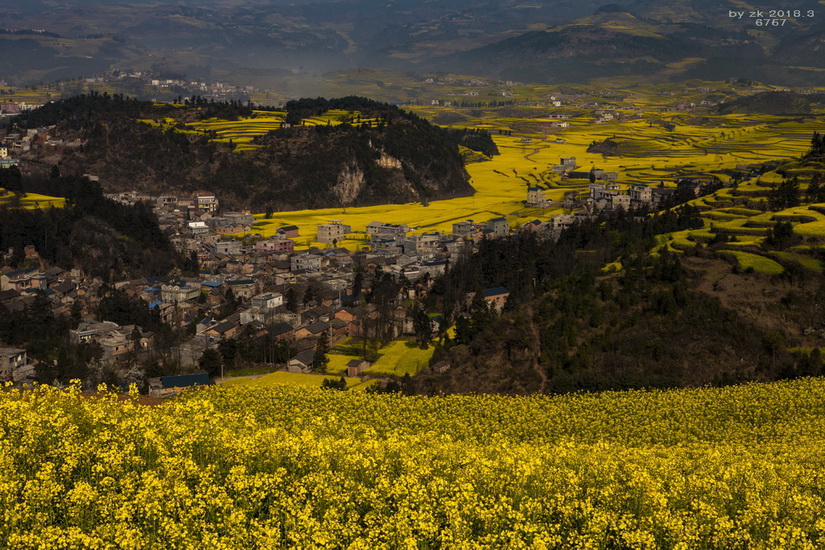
{"x": 617, "y": 43}
{"x": 583, "y": 40}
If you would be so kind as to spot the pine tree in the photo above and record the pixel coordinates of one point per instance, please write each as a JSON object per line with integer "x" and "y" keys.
{"x": 321, "y": 360}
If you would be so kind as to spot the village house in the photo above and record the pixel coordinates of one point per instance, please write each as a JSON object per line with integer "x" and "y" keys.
{"x": 536, "y": 198}
{"x": 268, "y": 300}
{"x": 302, "y": 363}
{"x": 662, "y": 196}
{"x": 498, "y": 227}
{"x": 197, "y": 227}
{"x": 496, "y": 297}
{"x": 23, "y": 279}
{"x": 603, "y": 191}
{"x": 166, "y": 202}
{"x": 231, "y": 222}
{"x": 641, "y": 193}
{"x": 600, "y": 175}
{"x": 566, "y": 164}
{"x": 535, "y": 226}
{"x": 312, "y": 330}
{"x": 469, "y": 230}
{"x": 113, "y": 339}
{"x": 388, "y": 245}
{"x": 409, "y": 272}
{"x": 263, "y": 309}
{"x": 204, "y": 200}
{"x": 166, "y": 311}
{"x": 387, "y": 230}
{"x": 288, "y": 231}
{"x": 225, "y": 248}
{"x": 282, "y": 331}
{"x": 561, "y": 221}
{"x": 11, "y": 359}
{"x": 243, "y": 288}
{"x": 167, "y": 386}
{"x": 178, "y": 293}
{"x": 306, "y": 261}
{"x": 356, "y": 366}
{"x": 225, "y": 329}
{"x": 424, "y": 245}
{"x": 275, "y": 244}
{"x": 433, "y": 268}
{"x": 336, "y": 230}
{"x": 620, "y": 201}
{"x": 347, "y": 314}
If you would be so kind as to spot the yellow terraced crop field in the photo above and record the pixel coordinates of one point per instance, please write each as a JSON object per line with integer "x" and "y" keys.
{"x": 651, "y": 154}
{"x": 759, "y": 263}
{"x": 31, "y": 200}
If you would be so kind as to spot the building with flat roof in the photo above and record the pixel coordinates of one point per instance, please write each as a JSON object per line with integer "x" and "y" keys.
{"x": 336, "y": 230}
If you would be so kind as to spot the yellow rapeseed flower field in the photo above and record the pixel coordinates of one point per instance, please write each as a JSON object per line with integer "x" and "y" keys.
{"x": 286, "y": 467}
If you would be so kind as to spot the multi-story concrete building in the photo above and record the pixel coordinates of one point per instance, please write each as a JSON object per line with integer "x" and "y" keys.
{"x": 306, "y": 261}
{"x": 499, "y": 227}
{"x": 333, "y": 231}
{"x": 537, "y": 198}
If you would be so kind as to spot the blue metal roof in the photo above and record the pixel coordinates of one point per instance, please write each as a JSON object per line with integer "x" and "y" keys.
{"x": 185, "y": 380}
{"x": 495, "y": 291}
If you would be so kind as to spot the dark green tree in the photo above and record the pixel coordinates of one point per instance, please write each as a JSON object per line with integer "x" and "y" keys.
{"x": 291, "y": 301}
{"x": 319, "y": 364}
{"x": 228, "y": 349}
{"x": 786, "y": 194}
{"x": 332, "y": 384}
{"x": 422, "y": 326}
{"x": 210, "y": 361}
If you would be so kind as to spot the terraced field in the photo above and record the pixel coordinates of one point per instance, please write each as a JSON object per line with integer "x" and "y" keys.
{"x": 395, "y": 359}
{"x": 650, "y": 154}
{"x": 31, "y": 200}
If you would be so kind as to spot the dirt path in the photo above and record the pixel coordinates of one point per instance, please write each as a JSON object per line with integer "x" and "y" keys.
{"x": 535, "y": 151}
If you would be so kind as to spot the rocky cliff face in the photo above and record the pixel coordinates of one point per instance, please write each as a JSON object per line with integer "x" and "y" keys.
{"x": 350, "y": 183}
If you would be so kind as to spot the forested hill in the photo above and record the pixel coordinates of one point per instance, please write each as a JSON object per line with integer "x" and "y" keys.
{"x": 104, "y": 238}
{"x": 392, "y": 156}
{"x": 664, "y": 320}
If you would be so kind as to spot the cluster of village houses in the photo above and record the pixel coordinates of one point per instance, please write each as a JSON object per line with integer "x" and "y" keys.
{"x": 260, "y": 271}
{"x": 259, "y": 274}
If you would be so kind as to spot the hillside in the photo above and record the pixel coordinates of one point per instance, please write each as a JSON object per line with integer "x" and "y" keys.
{"x": 662, "y": 44}
{"x": 724, "y": 290}
{"x": 368, "y": 153}
{"x": 296, "y": 467}
{"x": 101, "y": 237}
{"x": 774, "y": 103}
{"x": 284, "y": 45}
